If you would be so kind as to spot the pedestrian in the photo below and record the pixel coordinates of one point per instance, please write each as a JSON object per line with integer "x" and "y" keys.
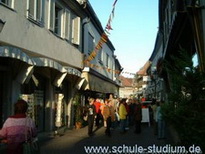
{"x": 128, "y": 112}
{"x": 112, "y": 101}
{"x": 160, "y": 121}
{"x": 91, "y": 116}
{"x": 17, "y": 128}
{"x": 108, "y": 115}
{"x": 105, "y": 112}
{"x": 97, "y": 104}
{"x": 131, "y": 111}
{"x": 123, "y": 115}
{"x": 138, "y": 117}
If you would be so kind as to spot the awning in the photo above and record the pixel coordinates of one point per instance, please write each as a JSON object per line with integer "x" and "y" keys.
{"x": 46, "y": 62}
{"x": 97, "y": 84}
{"x": 16, "y": 53}
{"x": 64, "y": 70}
{"x": 73, "y": 71}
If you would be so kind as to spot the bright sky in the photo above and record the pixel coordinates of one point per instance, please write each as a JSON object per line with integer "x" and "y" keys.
{"x": 135, "y": 26}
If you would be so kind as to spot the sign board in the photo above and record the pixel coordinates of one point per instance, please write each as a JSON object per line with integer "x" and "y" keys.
{"x": 145, "y": 115}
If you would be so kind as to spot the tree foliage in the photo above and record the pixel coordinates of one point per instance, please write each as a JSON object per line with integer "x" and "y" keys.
{"x": 186, "y": 107}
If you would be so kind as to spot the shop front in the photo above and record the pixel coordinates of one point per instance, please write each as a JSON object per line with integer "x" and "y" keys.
{"x": 46, "y": 85}
{"x": 15, "y": 67}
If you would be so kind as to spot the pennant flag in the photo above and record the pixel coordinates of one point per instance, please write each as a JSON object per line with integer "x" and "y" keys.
{"x": 103, "y": 38}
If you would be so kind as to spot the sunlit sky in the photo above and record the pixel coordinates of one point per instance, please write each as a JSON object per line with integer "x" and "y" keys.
{"x": 135, "y": 26}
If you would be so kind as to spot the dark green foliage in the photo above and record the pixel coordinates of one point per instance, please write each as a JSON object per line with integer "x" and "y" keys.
{"x": 186, "y": 107}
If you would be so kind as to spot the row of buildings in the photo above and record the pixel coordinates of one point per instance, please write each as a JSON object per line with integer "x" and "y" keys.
{"x": 43, "y": 46}
{"x": 181, "y": 27}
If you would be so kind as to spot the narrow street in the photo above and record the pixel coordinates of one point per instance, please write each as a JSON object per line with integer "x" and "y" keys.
{"x": 74, "y": 141}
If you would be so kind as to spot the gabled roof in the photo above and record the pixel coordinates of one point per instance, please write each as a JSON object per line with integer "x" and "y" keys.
{"x": 126, "y": 82}
{"x": 143, "y": 70}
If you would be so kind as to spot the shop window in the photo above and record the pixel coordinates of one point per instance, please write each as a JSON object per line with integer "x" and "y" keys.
{"x": 60, "y": 119}
{"x": 34, "y": 94}
{"x": 36, "y": 107}
{"x": 35, "y": 10}
{"x": 8, "y": 3}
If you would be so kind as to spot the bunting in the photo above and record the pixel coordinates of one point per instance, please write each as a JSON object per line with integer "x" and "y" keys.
{"x": 108, "y": 69}
{"x": 104, "y": 36}
{"x": 104, "y": 39}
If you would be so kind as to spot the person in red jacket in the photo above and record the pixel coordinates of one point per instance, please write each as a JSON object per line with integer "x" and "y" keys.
{"x": 97, "y": 104}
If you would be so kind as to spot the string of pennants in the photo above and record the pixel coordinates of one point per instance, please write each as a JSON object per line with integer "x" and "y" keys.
{"x": 104, "y": 36}
{"x": 104, "y": 39}
{"x": 108, "y": 69}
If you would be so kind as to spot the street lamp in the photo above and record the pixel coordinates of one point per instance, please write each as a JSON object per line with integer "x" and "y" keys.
{"x": 1, "y": 25}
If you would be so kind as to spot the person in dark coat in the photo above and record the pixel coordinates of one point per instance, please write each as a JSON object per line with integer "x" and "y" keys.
{"x": 91, "y": 116}
{"x": 138, "y": 117}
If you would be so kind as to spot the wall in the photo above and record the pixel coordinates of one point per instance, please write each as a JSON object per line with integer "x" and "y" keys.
{"x": 35, "y": 40}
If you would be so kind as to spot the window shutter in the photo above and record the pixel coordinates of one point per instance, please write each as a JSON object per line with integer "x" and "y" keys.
{"x": 52, "y": 14}
{"x": 76, "y": 30}
{"x": 67, "y": 24}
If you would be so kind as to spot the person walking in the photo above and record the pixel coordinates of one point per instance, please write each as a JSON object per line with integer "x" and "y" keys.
{"x": 138, "y": 117}
{"x": 16, "y": 127}
{"x": 108, "y": 115}
{"x": 91, "y": 116}
{"x": 97, "y": 104}
{"x": 122, "y": 114}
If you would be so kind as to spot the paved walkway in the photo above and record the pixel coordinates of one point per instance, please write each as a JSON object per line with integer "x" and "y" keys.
{"x": 75, "y": 141}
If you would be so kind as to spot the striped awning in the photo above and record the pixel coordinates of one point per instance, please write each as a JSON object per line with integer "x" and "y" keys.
{"x": 46, "y": 62}
{"x": 15, "y": 53}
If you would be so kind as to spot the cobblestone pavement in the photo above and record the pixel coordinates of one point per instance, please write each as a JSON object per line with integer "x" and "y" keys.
{"x": 75, "y": 141}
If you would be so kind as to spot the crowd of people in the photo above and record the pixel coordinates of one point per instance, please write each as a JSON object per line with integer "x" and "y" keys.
{"x": 123, "y": 113}
{"x": 110, "y": 113}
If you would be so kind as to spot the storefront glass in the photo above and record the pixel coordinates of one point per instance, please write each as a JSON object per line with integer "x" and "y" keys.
{"x": 34, "y": 95}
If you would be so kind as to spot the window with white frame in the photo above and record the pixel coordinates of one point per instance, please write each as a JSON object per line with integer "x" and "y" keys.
{"x": 35, "y": 10}
{"x": 56, "y": 12}
{"x": 8, "y": 3}
{"x": 63, "y": 23}
{"x": 58, "y": 20}
{"x": 90, "y": 43}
